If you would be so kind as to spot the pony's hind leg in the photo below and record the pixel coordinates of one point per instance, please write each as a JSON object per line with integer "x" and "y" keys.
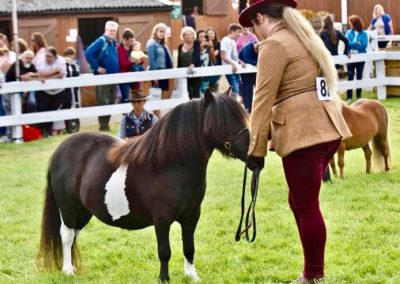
{"x": 340, "y": 154}
{"x": 67, "y": 240}
{"x": 188, "y": 228}
{"x": 333, "y": 166}
{"x": 367, "y": 155}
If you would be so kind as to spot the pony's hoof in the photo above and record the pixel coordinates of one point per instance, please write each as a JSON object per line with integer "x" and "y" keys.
{"x": 194, "y": 277}
{"x": 163, "y": 281}
{"x": 68, "y": 270}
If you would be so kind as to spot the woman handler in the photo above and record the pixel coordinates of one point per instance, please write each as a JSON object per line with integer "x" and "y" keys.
{"x": 295, "y": 101}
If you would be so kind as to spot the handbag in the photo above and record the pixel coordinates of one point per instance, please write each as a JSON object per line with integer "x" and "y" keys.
{"x": 155, "y": 93}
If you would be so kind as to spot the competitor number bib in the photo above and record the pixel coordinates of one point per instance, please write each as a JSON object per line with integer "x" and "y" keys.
{"x": 322, "y": 89}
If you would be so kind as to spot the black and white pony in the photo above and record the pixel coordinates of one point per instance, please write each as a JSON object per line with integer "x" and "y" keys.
{"x": 155, "y": 180}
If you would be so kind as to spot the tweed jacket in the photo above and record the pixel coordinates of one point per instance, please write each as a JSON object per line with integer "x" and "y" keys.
{"x": 286, "y": 105}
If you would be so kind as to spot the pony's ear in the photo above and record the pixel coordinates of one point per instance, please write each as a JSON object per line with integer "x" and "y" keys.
{"x": 208, "y": 96}
{"x": 228, "y": 92}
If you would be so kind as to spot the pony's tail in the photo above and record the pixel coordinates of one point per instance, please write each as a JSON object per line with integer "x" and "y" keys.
{"x": 50, "y": 250}
{"x": 381, "y": 143}
{"x": 380, "y": 147}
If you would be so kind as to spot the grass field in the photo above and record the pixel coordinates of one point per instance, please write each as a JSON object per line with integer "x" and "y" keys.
{"x": 362, "y": 214}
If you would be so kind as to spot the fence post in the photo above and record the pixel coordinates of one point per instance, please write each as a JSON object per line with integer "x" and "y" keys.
{"x": 182, "y": 87}
{"x": 16, "y": 109}
{"x": 380, "y": 75}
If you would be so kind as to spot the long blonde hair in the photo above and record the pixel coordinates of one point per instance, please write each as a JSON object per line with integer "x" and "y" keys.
{"x": 298, "y": 24}
{"x": 156, "y": 28}
{"x": 374, "y": 13}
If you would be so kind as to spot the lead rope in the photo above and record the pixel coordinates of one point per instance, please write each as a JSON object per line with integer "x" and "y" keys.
{"x": 251, "y": 215}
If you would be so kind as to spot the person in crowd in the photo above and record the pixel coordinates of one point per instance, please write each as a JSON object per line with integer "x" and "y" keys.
{"x": 248, "y": 80}
{"x": 159, "y": 57}
{"x": 248, "y": 54}
{"x": 22, "y": 46}
{"x": 39, "y": 46}
{"x": 189, "y": 56}
{"x": 207, "y": 58}
{"x": 229, "y": 56}
{"x": 245, "y": 37}
{"x": 28, "y": 72}
{"x": 138, "y": 57}
{"x": 139, "y": 120}
{"x": 7, "y": 58}
{"x": 139, "y": 61}
{"x": 103, "y": 59}
{"x": 382, "y": 23}
{"x": 358, "y": 41}
{"x": 189, "y": 20}
{"x": 125, "y": 64}
{"x": 331, "y": 37}
{"x": 52, "y": 67}
{"x": 306, "y": 130}
{"x": 73, "y": 70}
{"x": 213, "y": 37}
{"x": 27, "y": 69}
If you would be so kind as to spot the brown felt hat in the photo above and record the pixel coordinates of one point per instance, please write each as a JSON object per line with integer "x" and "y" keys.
{"x": 136, "y": 96}
{"x": 253, "y": 5}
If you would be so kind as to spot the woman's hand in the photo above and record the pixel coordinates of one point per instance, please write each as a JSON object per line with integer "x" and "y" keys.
{"x": 190, "y": 69}
{"x": 101, "y": 70}
{"x": 253, "y": 162}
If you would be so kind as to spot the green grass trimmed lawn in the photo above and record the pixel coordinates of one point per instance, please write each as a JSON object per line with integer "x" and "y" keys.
{"x": 362, "y": 214}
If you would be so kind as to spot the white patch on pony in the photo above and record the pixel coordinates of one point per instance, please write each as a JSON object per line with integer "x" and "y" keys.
{"x": 115, "y": 198}
{"x": 190, "y": 271}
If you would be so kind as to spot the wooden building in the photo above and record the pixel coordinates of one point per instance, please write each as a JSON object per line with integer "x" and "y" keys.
{"x": 57, "y": 18}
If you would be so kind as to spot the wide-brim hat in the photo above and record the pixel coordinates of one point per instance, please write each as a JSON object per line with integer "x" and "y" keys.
{"x": 136, "y": 96}
{"x": 255, "y": 4}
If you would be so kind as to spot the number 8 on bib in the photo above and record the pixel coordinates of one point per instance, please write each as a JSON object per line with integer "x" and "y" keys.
{"x": 322, "y": 89}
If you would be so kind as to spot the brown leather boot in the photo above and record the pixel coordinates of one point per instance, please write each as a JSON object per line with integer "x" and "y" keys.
{"x": 304, "y": 280}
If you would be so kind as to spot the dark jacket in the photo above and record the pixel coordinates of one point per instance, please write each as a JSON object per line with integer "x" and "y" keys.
{"x": 103, "y": 53}
{"x": 195, "y": 57}
{"x": 386, "y": 20}
{"x": 248, "y": 55}
{"x": 145, "y": 124}
{"x": 330, "y": 45}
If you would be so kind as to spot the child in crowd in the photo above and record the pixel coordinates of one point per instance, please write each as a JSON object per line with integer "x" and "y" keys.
{"x": 138, "y": 57}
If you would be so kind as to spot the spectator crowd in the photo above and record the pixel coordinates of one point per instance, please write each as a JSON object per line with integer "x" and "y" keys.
{"x": 198, "y": 48}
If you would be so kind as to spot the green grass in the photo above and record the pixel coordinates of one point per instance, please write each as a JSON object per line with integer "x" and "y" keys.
{"x": 362, "y": 214}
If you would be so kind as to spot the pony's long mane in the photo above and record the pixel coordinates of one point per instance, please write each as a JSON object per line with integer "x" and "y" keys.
{"x": 181, "y": 135}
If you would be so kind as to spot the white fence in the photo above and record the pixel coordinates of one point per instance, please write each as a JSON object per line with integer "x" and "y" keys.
{"x": 180, "y": 74}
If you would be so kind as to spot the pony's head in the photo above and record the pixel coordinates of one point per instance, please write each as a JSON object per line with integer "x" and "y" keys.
{"x": 226, "y": 124}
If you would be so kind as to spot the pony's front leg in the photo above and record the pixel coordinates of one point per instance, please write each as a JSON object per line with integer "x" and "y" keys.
{"x": 164, "y": 249}
{"x": 188, "y": 228}
{"x": 367, "y": 155}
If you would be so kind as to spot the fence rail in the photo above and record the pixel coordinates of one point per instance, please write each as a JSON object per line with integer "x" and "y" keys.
{"x": 17, "y": 119}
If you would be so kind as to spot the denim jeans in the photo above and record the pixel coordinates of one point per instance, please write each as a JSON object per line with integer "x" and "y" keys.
{"x": 246, "y": 89}
{"x": 125, "y": 90}
{"x": 359, "y": 68}
{"x": 234, "y": 82}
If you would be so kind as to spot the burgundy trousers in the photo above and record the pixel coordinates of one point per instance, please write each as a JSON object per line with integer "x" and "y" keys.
{"x": 304, "y": 169}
